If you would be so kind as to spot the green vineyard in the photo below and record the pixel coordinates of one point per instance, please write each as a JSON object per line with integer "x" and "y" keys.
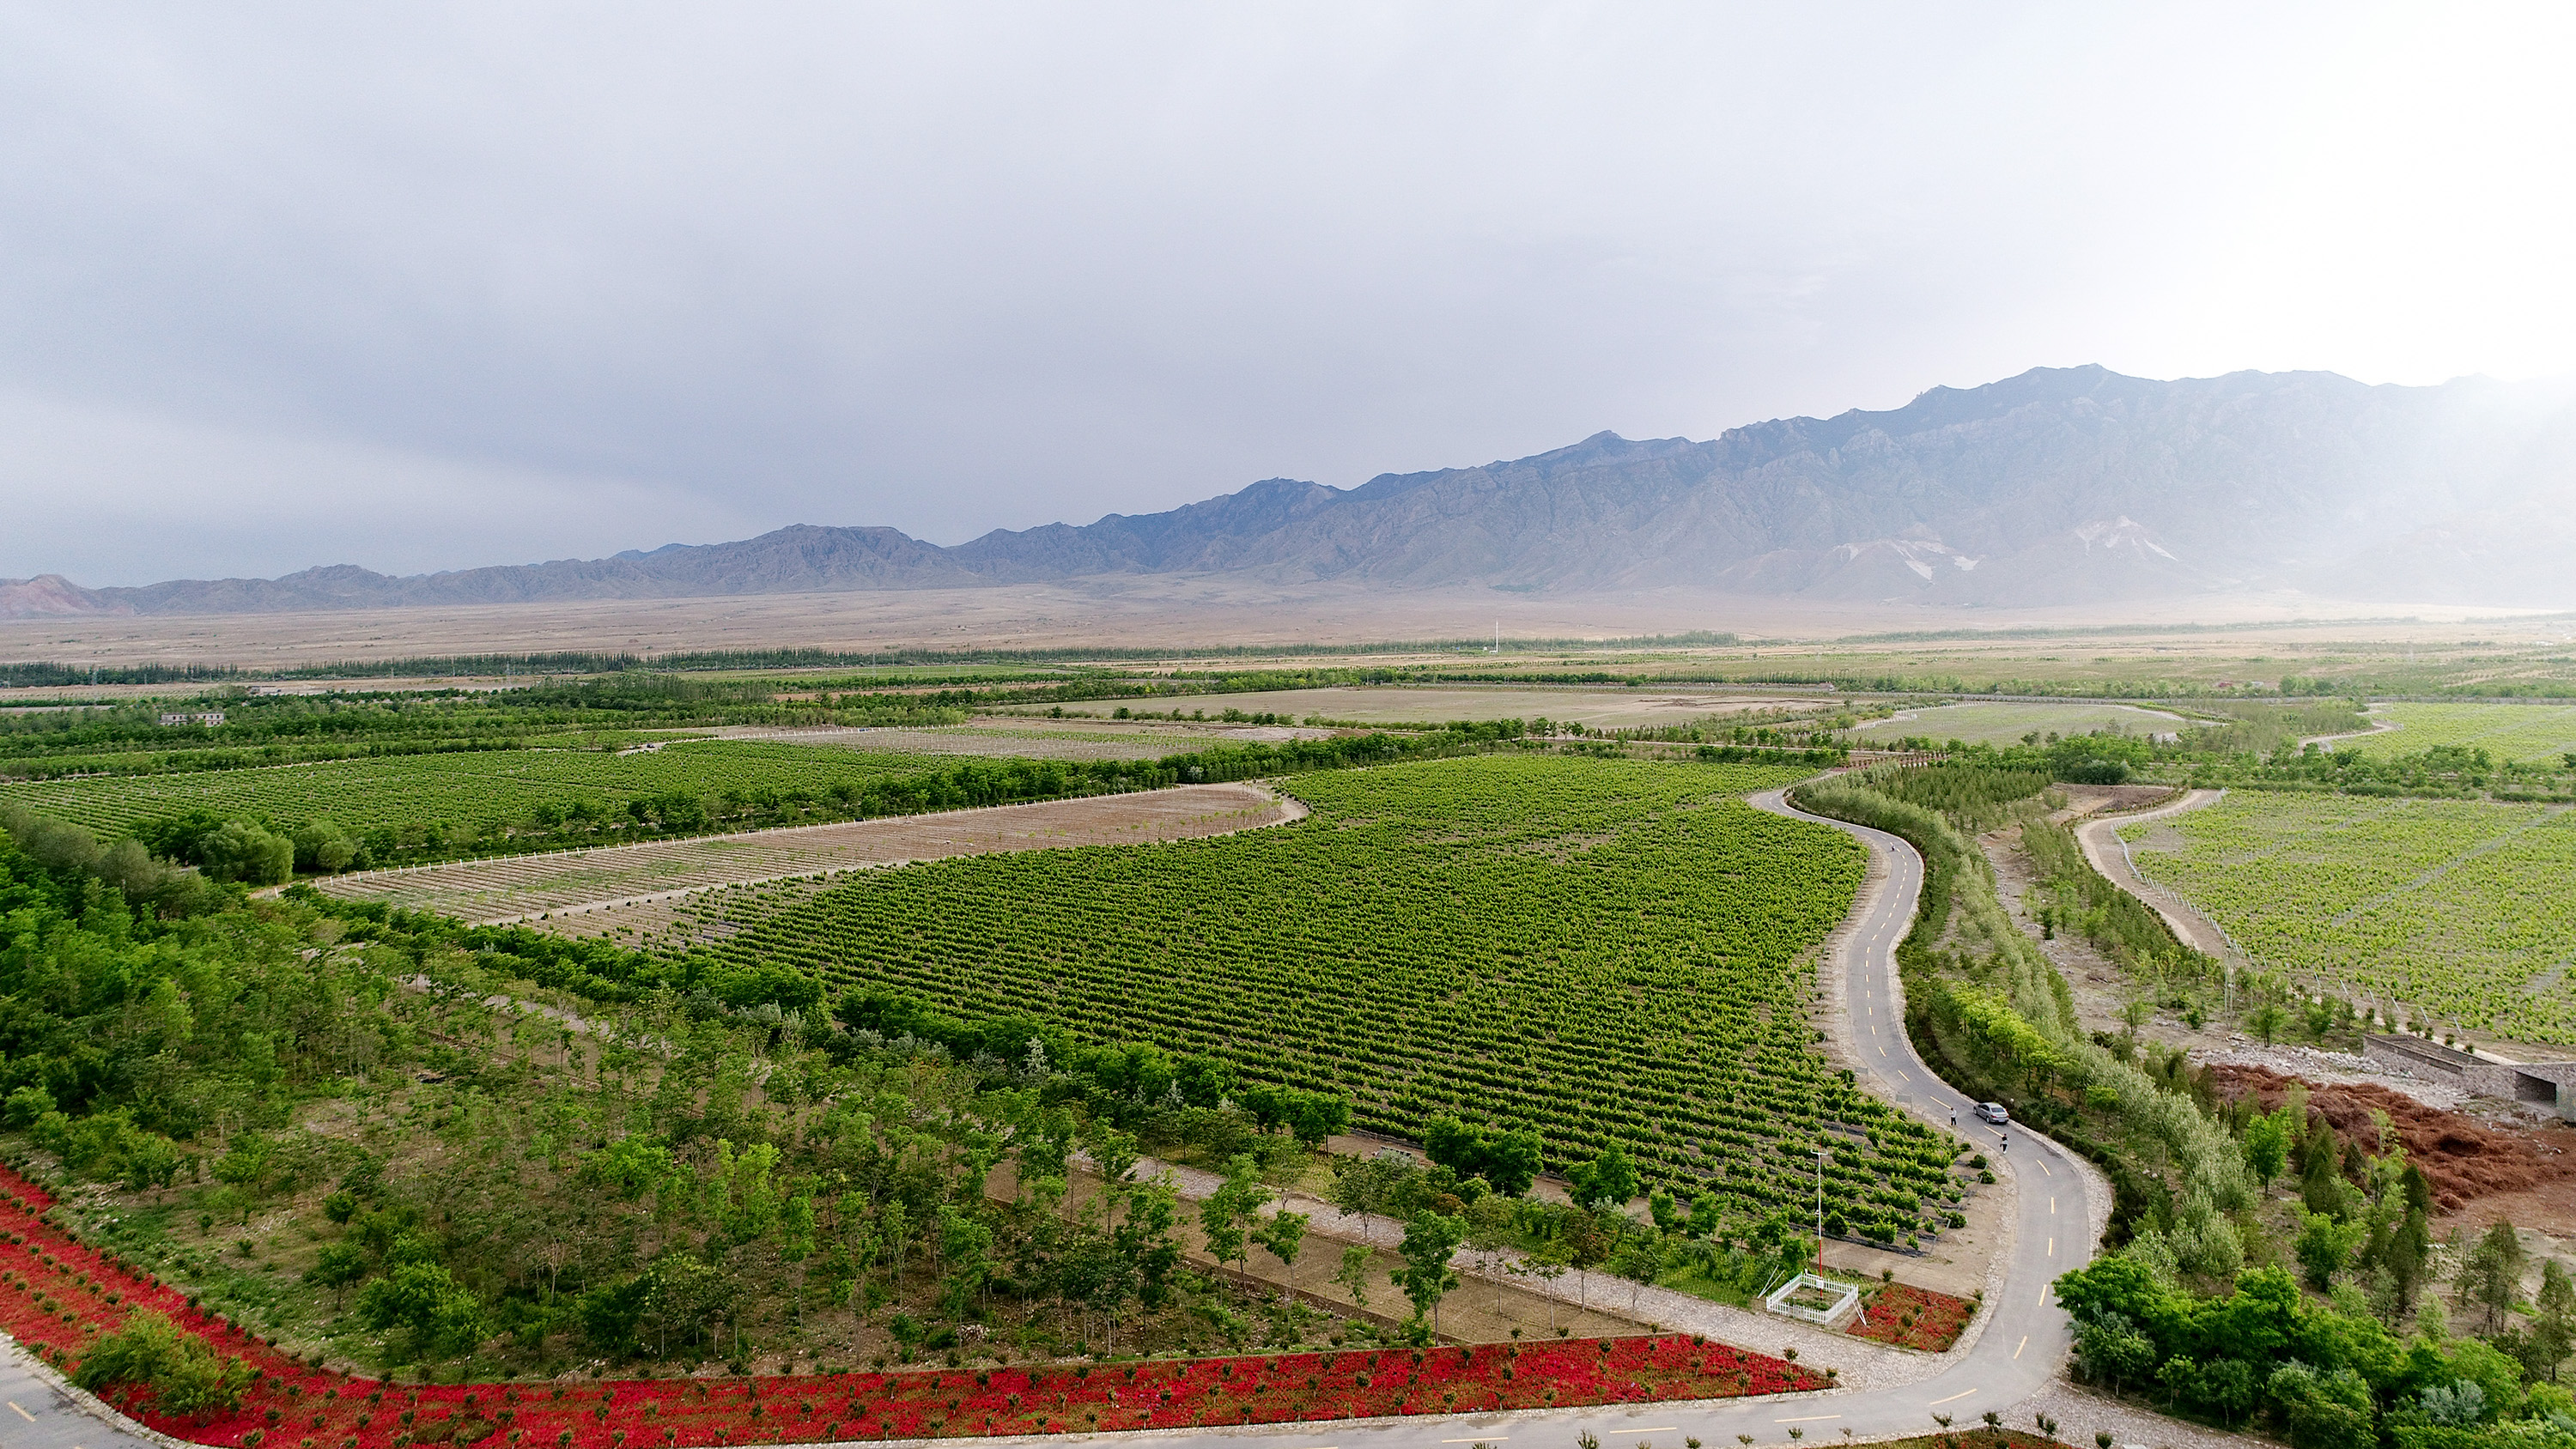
{"x": 1608, "y": 951}
{"x": 2459, "y": 908}
{"x": 467, "y": 795}
{"x": 2524, "y": 733}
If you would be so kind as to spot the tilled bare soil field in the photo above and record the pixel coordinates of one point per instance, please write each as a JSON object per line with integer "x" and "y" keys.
{"x": 570, "y": 890}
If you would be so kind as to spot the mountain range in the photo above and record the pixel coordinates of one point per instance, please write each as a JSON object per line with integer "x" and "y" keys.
{"x": 2059, "y": 486}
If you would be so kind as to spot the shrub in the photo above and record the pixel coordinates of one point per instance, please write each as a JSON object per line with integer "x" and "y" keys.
{"x": 185, "y": 1376}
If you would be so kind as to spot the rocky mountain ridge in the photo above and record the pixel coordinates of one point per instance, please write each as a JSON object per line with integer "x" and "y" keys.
{"x": 2059, "y": 486}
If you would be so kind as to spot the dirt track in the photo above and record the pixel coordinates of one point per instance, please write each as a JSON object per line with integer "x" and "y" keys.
{"x": 2101, "y": 847}
{"x": 580, "y": 883}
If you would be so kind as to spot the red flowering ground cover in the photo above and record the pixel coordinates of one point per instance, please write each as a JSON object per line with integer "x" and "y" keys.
{"x": 58, "y": 1296}
{"x": 1911, "y": 1317}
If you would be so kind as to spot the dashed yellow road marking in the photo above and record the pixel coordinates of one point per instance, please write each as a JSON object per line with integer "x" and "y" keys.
{"x": 2025, "y": 1343}
{"x": 21, "y": 1413}
{"x": 1954, "y": 1398}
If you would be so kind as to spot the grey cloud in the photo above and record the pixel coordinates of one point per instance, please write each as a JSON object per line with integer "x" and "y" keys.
{"x": 583, "y": 278}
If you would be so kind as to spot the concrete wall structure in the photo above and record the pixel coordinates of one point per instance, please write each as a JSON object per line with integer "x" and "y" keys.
{"x": 2551, "y": 1083}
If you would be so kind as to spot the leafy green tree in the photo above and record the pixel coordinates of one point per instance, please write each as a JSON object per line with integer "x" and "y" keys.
{"x": 25, "y": 1105}
{"x": 1284, "y": 1234}
{"x": 609, "y": 1312}
{"x": 339, "y": 1265}
{"x": 1226, "y": 1216}
{"x": 1429, "y": 1239}
{"x": 442, "y": 1318}
{"x": 239, "y": 850}
{"x": 2495, "y": 1372}
{"x": 1366, "y": 1186}
{"x": 1454, "y": 1145}
{"x": 2227, "y": 1387}
{"x": 1548, "y": 1263}
{"x": 2110, "y": 1350}
{"x": 1490, "y": 1235}
{"x": 796, "y": 1237}
{"x": 2267, "y": 1145}
{"x": 244, "y": 1168}
{"x": 2459, "y": 1404}
{"x": 797, "y": 1226}
{"x": 2325, "y": 1247}
{"x": 632, "y": 1165}
{"x": 739, "y": 1193}
{"x": 2492, "y": 1273}
{"x": 682, "y": 1296}
{"x": 323, "y": 847}
{"x": 966, "y": 1247}
{"x": 1608, "y": 1180}
{"x": 2179, "y": 1376}
{"x": 2553, "y": 1328}
{"x": 186, "y": 1375}
{"x": 1353, "y": 1275}
{"x": 2321, "y": 1183}
{"x": 1114, "y": 1153}
{"x": 2266, "y": 1021}
{"x": 1507, "y": 1161}
{"x": 2323, "y": 1411}
{"x": 1147, "y": 1253}
{"x": 1707, "y": 1216}
{"x": 894, "y": 1230}
{"x": 1512, "y": 1161}
{"x": 1639, "y": 1258}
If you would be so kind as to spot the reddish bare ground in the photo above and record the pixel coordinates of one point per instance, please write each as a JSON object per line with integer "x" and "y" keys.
{"x": 2462, "y": 1158}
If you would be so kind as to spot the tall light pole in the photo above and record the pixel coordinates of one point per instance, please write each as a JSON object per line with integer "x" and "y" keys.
{"x": 1820, "y": 1210}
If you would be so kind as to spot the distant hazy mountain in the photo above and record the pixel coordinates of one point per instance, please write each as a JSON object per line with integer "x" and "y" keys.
{"x": 2059, "y": 486}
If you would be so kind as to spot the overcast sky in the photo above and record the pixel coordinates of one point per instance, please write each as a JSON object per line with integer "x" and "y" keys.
{"x": 424, "y": 287}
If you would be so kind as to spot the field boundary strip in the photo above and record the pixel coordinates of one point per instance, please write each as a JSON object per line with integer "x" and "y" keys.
{"x": 843, "y": 839}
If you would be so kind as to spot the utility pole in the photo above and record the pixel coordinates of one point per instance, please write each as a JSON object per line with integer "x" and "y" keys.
{"x": 1820, "y": 1210}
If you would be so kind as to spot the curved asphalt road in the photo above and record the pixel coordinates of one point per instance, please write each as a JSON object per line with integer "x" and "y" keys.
{"x": 2024, "y": 1339}
{"x": 35, "y": 1413}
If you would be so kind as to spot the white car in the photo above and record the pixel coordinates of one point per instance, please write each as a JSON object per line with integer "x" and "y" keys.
{"x": 1993, "y": 1112}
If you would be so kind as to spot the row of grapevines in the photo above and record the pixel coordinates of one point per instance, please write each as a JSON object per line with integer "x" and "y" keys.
{"x": 2459, "y": 908}
{"x": 470, "y": 793}
{"x": 1607, "y": 950}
